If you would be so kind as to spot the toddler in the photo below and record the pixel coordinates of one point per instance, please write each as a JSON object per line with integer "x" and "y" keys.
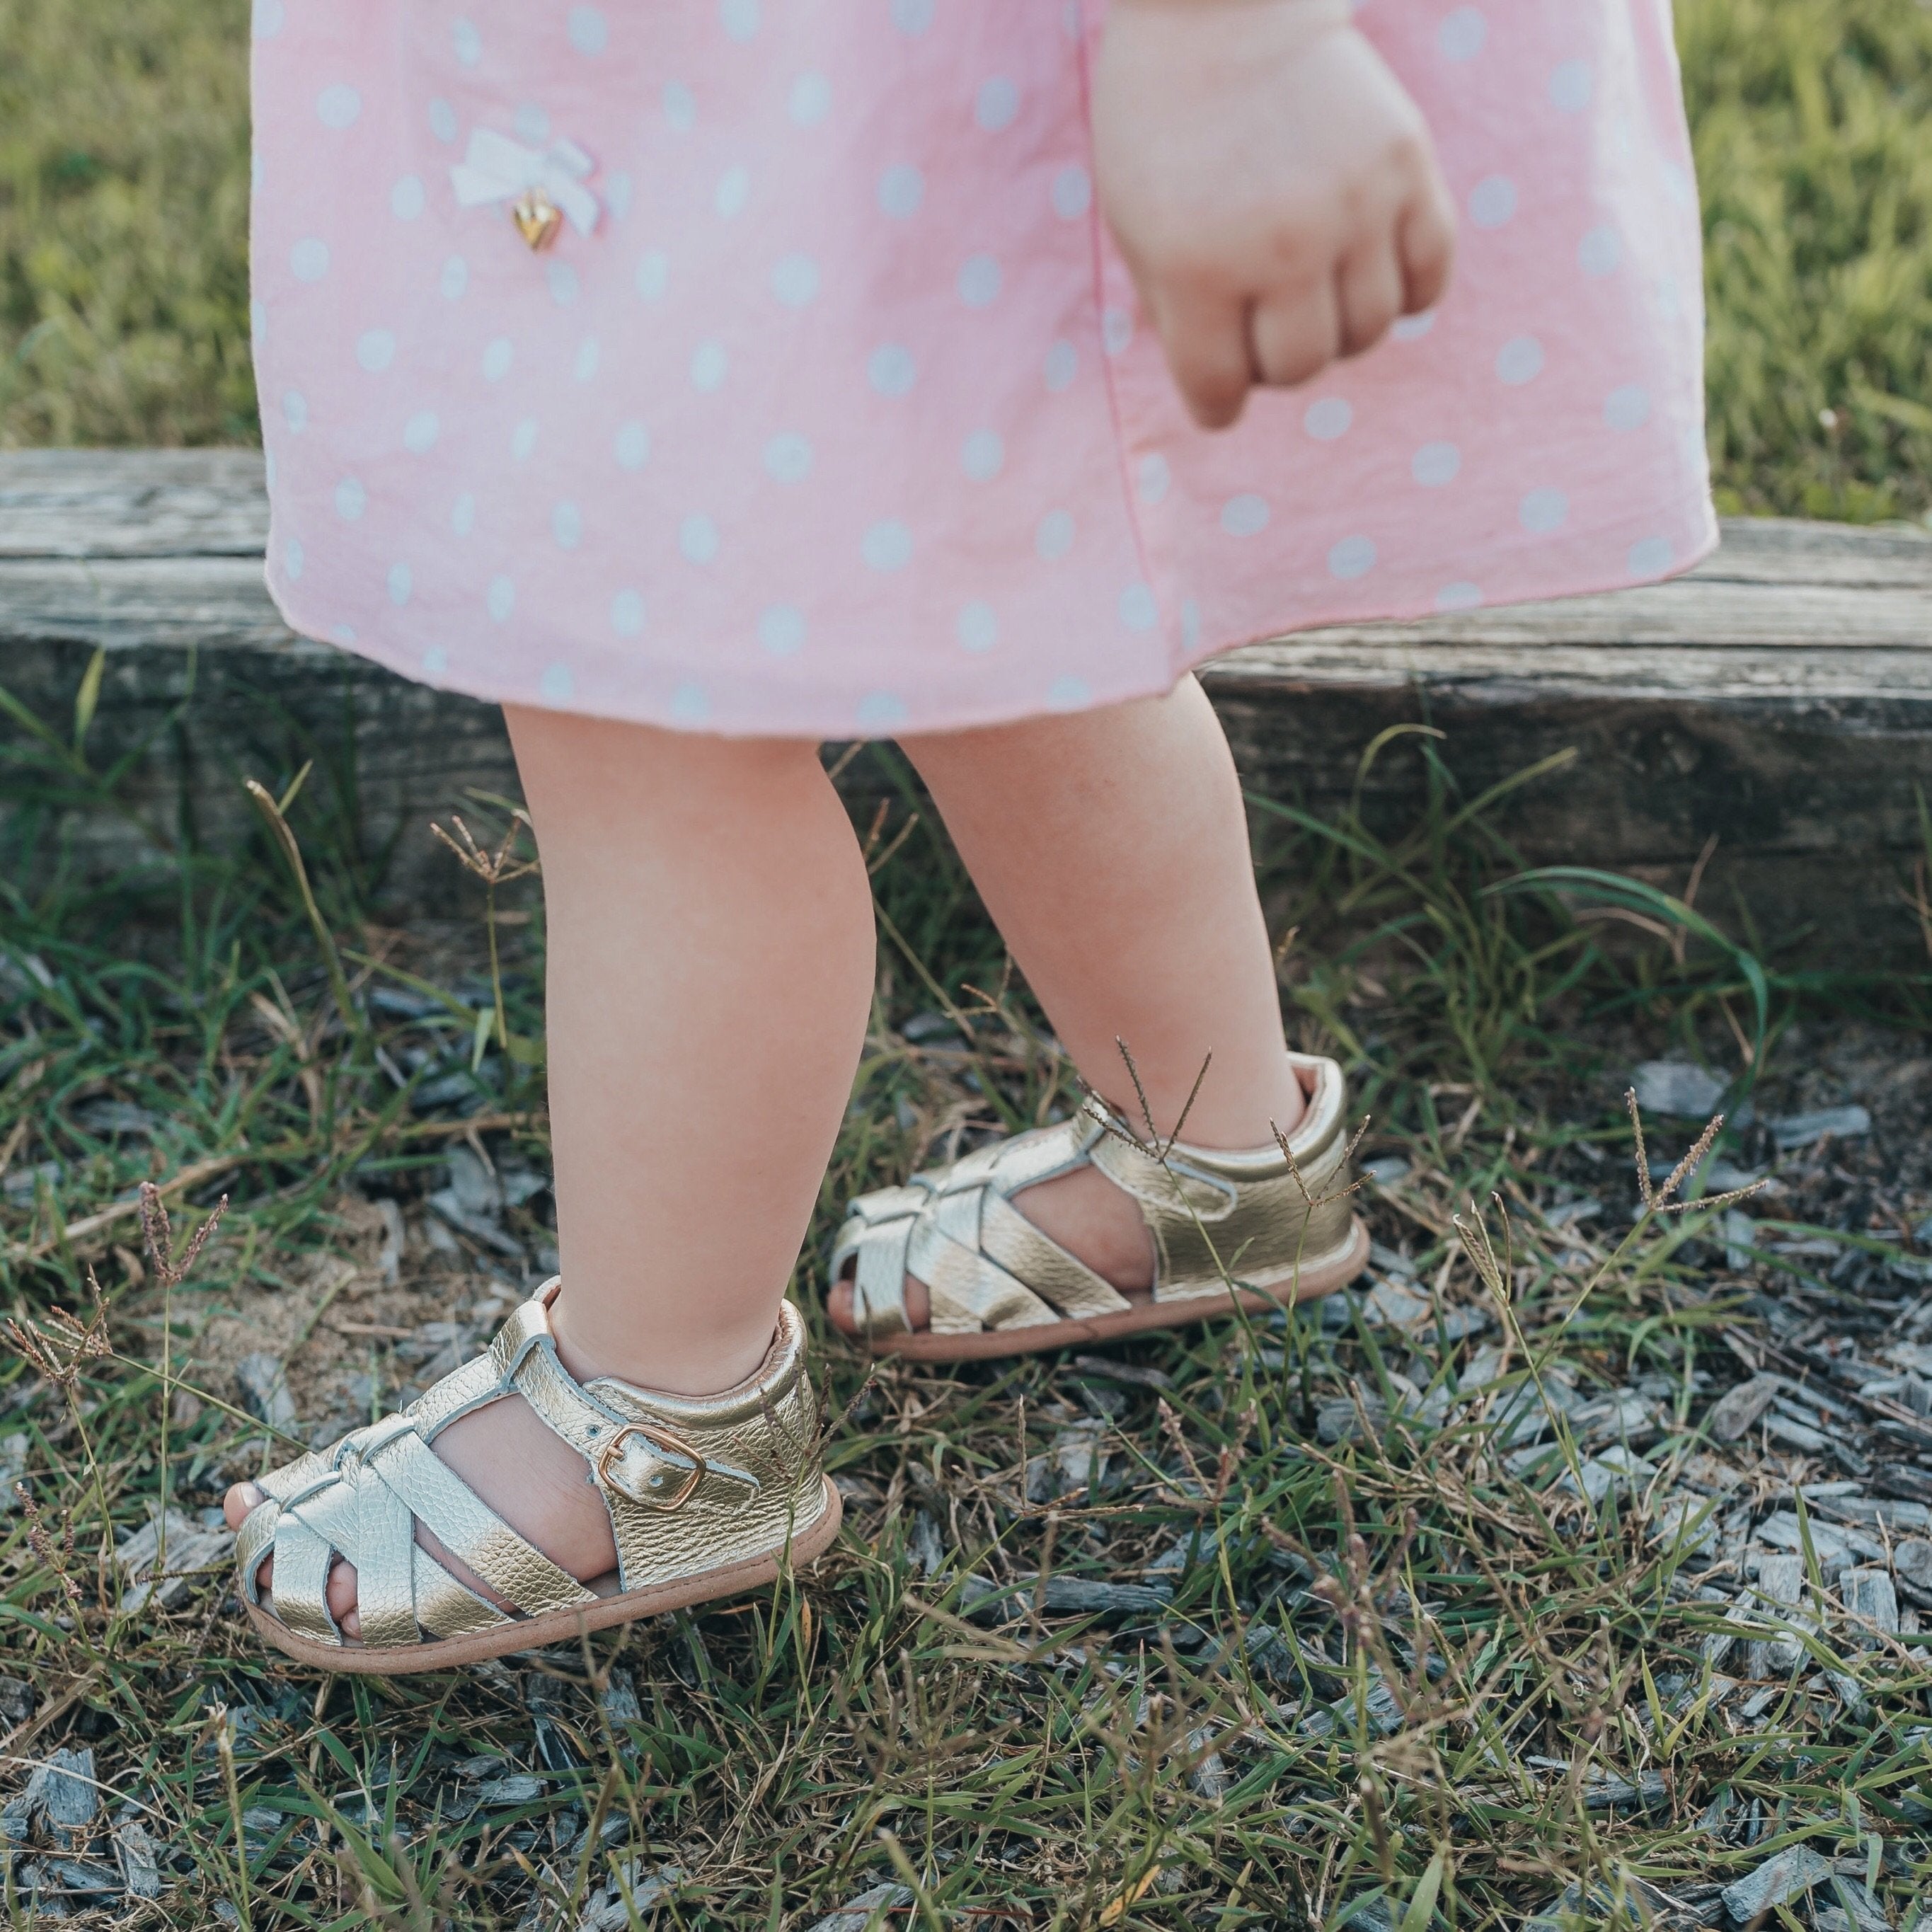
{"x": 706, "y": 379}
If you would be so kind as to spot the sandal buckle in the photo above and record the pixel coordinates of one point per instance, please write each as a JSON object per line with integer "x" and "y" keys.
{"x": 664, "y": 1442}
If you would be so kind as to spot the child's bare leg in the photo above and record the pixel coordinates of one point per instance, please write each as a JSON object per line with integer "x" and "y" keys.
{"x": 1111, "y": 848}
{"x": 711, "y": 958}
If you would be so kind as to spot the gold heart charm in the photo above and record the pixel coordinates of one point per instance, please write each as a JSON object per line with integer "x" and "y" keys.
{"x": 538, "y": 218}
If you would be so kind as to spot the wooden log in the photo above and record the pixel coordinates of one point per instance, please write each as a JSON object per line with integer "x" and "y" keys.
{"x": 1780, "y": 698}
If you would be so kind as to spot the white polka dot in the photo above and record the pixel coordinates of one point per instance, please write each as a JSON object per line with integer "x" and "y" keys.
{"x": 496, "y": 359}
{"x": 1327, "y": 418}
{"x": 340, "y": 106}
{"x": 1055, "y": 537}
{"x": 1677, "y": 185}
{"x": 1492, "y": 201}
{"x": 980, "y": 281}
{"x": 1062, "y": 364}
{"x": 1152, "y": 478}
{"x": 879, "y": 711}
{"x": 887, "y": 545}
{"x": 983, "y": 455}
{"x": 633, "y": 446}
{"x": 1628, "y": 407}
{"x": 1599, "y": 252}
{"x": 680, "y": 106}
{"x": 588, "y": 355}
{"x": 468, "y": 42}
{"x": 589, "y": 32}
{"x": 617, "y": 195}
{"x": 781, "y": 630}
{"x": 344, "y": 634}
{"x": 653, "y": 276}
{"x": 697, "y": 539}
{"x": 709, "y": 363}
{"x": 351, "y": 500}
{"x": 738, "y": 18}
{"x": 627, "y": 614}
{"x": 408, "y": 198}
{"x": 556, "y": 685}
{"x": 1414, "y": 328}
{"x": 295, "y": 411}
{"x": 269, "y": 17}
{"x": 1190, "y": 624}
{"x": 1649, "y": 556}
{"x": 734, "y": 190}
{"x": 1666, "y": 292}
{"x": 501, "y": 599}
{"x": 462, "y": 515}
{"x": 891, "y": 370}
{"x": 1116, "y": 330}
{"x": 1073, "y": 192}
{"x": 788, "y": 458}
{"x": 1352, "y": 557}
{"x": 455, "y": 278}
{"x": 1570, "y": 86}
{"x": 420, "y": 431}
{"x": 564, "y": 282}
{"x": 1435, "y": 464}
{"x": 996, "y": 104}
{"x": 912, "y": 17}
{"x": 1458, "y": 597}
{"x": 1462, "y": 34}
{"x": 436, "y": 660}
{"x": 258, "y": 321}
{"x": 978, "y": 628}
{"x": 532, "y": 122}
{"x": 292, "y": 559}
{"x": 442, "y": 122}
{"x": 1520, "y": 360}
{"x": 1138, "y": 611}
{"x": 402, "y": 584}
{"x": 795, "y": 280}
{"x": 811, "y": 99}
{"x": 566, "y": 525}
{"x": 691, "y": 704}
{"x": 308, "y": 261}
{"x": 1069, "y": 694}
{"x": 268, "y": 468}
{"x": 523, "y": 440}
{"x": 376, "y": 349}
{"x": 1543, "y": 511}
{"x": 901, "y": 189}
{"x": 1246, "y": 515}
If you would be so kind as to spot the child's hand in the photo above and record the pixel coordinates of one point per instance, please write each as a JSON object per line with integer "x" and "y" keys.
{"x": 1272, "y": 188}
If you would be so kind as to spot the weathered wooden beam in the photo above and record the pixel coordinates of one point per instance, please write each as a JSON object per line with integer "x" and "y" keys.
{"x": 1780, "y": 697}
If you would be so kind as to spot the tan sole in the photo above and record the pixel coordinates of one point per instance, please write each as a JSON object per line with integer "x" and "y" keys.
{"x": 452, "y": 1653}
{"x": 1307, "y": 1283}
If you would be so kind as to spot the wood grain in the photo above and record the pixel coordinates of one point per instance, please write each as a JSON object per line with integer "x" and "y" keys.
{"x": 1780, "y": 695}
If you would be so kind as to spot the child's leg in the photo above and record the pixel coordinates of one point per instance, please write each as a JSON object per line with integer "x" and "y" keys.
{"x": 1111, "y": 848}
{"x": 711, "y": 960}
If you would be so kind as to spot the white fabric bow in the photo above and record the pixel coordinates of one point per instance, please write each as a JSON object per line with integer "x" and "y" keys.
{"x": 498, "y": 169}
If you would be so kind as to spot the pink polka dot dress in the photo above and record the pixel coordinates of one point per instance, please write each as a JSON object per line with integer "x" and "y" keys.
{"x": 825, "y": 412}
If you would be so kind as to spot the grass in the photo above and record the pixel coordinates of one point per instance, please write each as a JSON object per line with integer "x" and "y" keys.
{"x": 123, "y": 208}
{"x": 1370, "y": 1666}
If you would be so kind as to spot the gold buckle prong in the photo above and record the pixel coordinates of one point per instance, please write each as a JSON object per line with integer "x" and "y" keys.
{"x": 658, "y": 1438}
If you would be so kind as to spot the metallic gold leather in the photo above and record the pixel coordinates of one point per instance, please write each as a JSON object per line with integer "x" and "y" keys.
{"x": 754, "y": 1451}
{"x": 1215, "y": 1215}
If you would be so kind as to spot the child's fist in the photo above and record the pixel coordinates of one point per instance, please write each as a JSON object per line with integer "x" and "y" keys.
{"x": 1272, "y": 187}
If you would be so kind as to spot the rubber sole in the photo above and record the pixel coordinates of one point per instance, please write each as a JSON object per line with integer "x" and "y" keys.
{"x": 1309, "y": 1283}
{"x": 452, "y": 1653}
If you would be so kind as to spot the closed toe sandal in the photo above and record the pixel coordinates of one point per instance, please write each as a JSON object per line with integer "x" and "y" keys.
{"x": 1278, "y": 1232}
{"x": 708, "y": 1495}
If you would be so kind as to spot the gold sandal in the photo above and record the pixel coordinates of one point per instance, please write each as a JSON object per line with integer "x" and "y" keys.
{"x": 1281, "y": 1231}
{"x": 708, "y": 1496}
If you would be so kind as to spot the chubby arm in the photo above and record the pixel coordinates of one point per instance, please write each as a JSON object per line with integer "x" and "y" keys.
{"x": 1272, "y": 188}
